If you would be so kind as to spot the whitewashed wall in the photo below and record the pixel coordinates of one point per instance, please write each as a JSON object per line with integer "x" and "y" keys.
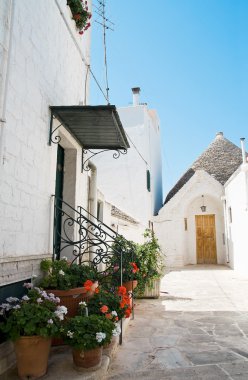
{"x": 124, "y": 181}
{"x": 236, "y": 197}
{"x": 178, "y": 245}
{"x": 45, "y": 68}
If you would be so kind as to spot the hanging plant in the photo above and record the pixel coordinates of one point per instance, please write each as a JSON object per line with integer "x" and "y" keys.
{"x": 80, "y": 13}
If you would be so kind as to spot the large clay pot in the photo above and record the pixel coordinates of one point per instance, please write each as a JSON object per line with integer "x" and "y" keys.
{"x": 32, "y": 356}
{"x": 130, "y": 285}
{"x": 71, "y": 298}
{"x": 87, "y": 359}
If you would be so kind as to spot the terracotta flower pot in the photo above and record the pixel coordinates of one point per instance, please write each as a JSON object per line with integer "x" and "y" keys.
{"x": 87, "y": 359}
{"x": 71, "y": 298}
{"x": 130, "y": 285}
{"x": 32, "y": 356}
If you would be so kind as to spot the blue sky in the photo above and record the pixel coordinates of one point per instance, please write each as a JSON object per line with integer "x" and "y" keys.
{"x": 190, "y": 58}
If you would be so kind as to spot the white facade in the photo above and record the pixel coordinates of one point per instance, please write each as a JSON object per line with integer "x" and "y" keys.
{"x": 236, "y": 205}
{"x": 124, "y": 181}
{"x": 177, "y": 241}
{"x": 43, "y": 63}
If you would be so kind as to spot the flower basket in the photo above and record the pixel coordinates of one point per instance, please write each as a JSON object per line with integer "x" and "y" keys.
{"x": 151, "y": 291}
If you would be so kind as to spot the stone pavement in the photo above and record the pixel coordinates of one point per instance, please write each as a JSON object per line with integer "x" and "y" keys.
{"x": 197, "y": 330}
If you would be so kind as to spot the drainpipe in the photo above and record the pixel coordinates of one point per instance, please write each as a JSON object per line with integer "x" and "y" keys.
{"x": 93, "y": 191}
{"x": 7, "y": 43}
{"x": 93, "y": 203}
{"x": 242, "y": 142}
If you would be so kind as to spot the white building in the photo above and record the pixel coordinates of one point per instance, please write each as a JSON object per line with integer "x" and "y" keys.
{"x": 236, "y": 216}
{"x": 45, "y": 125}
{"x": 192, "y": 227}
{"x": 133, "y": 183}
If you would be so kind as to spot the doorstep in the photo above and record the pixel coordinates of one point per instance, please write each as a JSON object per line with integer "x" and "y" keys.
{"x": 60, "y": 366}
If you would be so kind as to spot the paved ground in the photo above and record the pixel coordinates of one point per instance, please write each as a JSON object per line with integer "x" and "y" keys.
{"x": 198, "y": 329}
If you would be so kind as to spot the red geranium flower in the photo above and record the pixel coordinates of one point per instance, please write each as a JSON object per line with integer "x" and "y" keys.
{"x": 88, "y": 284}
{"x": 122, "y": 291}
{"x": 104, "y": 309}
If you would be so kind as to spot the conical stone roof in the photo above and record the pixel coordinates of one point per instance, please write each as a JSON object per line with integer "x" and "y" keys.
{"x": 221, "y": 159}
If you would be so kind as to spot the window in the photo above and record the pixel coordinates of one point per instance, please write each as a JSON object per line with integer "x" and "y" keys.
{"x": 100, "y": 211}
{"x": 148, "y": 180}
{"x": 185, "y": 224}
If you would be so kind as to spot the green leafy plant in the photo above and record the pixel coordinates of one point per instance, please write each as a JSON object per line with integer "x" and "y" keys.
{"x": 88, "y": 332}
{"x": 80, "y": 13}
{"x": 151, "y": 263}
{"x": 36, "y": 313}
{"x": 60, "y": 275}
{"x": 126, "y": 257}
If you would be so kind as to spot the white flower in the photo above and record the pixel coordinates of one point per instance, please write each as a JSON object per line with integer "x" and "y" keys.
{"x": 61, "y": 272}
{"x": 16, "y": 307}
{"x": 82, "y": 303}
{"x": 114, "y": 313}
{"x": 100, "y": 336}
{"x": 117, "y": 330}
{"x": 6, "y": 306}
{"x": 39, "y": 300}
{"x": 70, "y": 334}
{"x": 64, "y": 258}
{"x": 25, "y": 298}
{"x": 60, "y": 312}
{"x": 12, "y": 299}
{"x": 50, "y": 321}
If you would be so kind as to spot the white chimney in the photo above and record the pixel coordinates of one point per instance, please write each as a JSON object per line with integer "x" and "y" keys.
{"x": 219, "y": 135}
{"x": 136, "y": 93}
{"x": 242, "y": 141}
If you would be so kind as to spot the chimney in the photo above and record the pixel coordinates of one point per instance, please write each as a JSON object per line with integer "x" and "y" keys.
{"x": 219, "y": 135}
{"x": 136, "y": 93}
{"x": 242, "y": 141}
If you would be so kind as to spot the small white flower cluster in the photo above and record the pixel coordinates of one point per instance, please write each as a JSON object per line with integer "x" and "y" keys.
{"x": 50, "y": 297}
{"x": 60, "y": 312}
{"x": 61, "y": 272}
{"x": 100, "y": 336}
{"x": 70, "y": 334}
{"x": 82, "y": 303}
{"x": 12, "y": 299}
{"x": 25, "y": 298}
{"x": 117, "y": 330}
{"x": 50, "y": 321}
{"x": 114, "y": 313}
{"x": 64, "y": 258}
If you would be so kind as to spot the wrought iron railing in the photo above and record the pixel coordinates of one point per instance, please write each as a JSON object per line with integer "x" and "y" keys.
{"x": 84, "y": 239}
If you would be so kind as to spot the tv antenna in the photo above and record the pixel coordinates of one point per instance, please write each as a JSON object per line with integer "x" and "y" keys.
{"x": 107, "y": 25}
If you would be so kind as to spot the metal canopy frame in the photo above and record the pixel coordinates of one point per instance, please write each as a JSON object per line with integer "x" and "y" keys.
{"x": 96, "y": 128}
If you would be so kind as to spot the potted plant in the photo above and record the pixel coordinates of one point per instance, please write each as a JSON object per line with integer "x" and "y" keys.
{"x": 87, "y": 335}
{"x": 125, "y": 265}
{"x": 30, "y": 322}
{"x": 80, "y": 14}
{"x": 151, "y": 266}
{"x": 72, "y": 283}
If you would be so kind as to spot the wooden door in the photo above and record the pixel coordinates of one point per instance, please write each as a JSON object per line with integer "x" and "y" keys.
{"x": 205, "y": 239}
